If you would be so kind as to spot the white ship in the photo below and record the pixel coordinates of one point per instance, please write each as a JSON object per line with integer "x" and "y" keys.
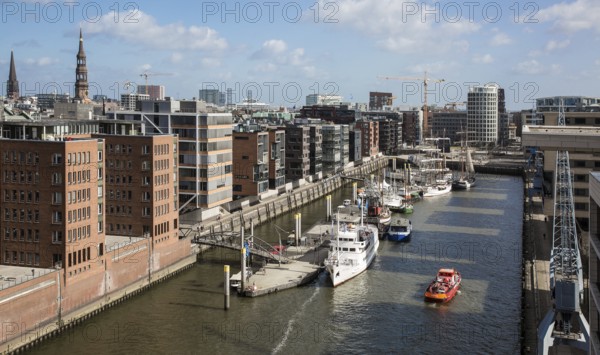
{"x": 353, "y": 249}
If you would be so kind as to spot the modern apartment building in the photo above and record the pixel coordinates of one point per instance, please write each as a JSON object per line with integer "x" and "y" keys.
{"x": 377, "y": 100}
{"x": 449, "y": 124}
{"x": 482, "y": 114}
{"x": 316, "y": 151}
{"x": 317, "y": 99}
{"x": 332, "y": 149}
{"x": 570, "y": 103}
{"x": 345, "y": 138}
{"x": 355, "y": 146}
{"x": 390, "y": 136}
{"x": 250, "y": 163}
{"x": 276, "y": 158}
{"x": 205, "y": 147}
{"x": 336, "y": 114}
{"x": 212, "y": 96}
{"x": 129, "y": 102}
{"x": 297, "y": 152}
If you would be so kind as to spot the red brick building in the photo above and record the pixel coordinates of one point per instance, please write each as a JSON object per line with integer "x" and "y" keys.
{"x": 250, "y": 163}
{"x": 52, "y": 204}
{"x": 369, "y": 138}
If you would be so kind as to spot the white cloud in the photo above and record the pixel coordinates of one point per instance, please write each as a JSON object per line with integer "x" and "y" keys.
{"x": 270, "y": 48}
{"x": 275, "y": 55}
{"x": 145, "y": 67}
{"x": 275, "y": 46}
{"x": 143, "y": 29}
{"x": 500, "y": 39}
{"x": 533, "y": 67}
{"x": 554, "y": 45}
{"x": 41, "y": 62}
{"x": 211, "y": 62}
{"x": 484, "y": 59}
{"x": 176, "y": 57}
{"x": 392, "y": 28}
{"x": 573, "y": 16}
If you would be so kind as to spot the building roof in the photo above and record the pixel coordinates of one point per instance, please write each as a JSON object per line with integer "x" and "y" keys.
{"x": 13, "y": 275}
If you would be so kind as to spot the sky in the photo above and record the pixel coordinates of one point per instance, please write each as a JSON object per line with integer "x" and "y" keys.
{"x": 281, "y": 51}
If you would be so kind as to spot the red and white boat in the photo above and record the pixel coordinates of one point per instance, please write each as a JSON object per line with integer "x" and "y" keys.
{"x": 444, "y": 287}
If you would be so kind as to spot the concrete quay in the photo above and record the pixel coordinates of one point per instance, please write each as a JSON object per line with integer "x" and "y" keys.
{"x": 275, "y": 277}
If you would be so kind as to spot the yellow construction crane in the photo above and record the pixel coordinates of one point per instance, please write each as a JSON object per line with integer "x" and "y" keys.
{"x": 147, "y": 74}
{"x": 425, "y": 80}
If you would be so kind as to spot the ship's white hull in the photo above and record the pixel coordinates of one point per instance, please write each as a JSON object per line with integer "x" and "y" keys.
{"x": 346, "y": 265}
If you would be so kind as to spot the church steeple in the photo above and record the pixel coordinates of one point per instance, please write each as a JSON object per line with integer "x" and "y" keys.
{"x": 12, "y": 85}
{"x": 81, "y": 83}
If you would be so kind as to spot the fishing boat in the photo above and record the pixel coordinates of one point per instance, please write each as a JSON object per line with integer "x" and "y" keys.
{"x": 353, "y": 249}
{"x": 444, "y": 287}
{"x": 400, "y": 230}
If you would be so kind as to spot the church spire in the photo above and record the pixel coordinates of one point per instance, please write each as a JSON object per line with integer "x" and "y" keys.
{"x": 81, "y": 83}
{"x": 12, "y": 85}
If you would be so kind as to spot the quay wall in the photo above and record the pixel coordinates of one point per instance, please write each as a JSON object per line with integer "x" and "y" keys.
{"x": 491, "y": 167}
{"x": 46, "y": 306}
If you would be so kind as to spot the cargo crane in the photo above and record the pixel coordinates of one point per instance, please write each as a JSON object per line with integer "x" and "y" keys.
{"x": 564, "y": 324}
{"x": 425, "y": 81}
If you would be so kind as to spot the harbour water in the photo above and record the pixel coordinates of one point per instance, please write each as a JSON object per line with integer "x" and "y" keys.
{"x": 382, "y": 310}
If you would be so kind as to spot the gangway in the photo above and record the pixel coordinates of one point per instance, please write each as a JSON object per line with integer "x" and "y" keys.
{"x": 253, "y": 245}
{"x": 564, "y": 324}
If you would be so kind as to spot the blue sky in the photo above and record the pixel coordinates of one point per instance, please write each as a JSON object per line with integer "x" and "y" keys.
{"x": 283, "y": 51}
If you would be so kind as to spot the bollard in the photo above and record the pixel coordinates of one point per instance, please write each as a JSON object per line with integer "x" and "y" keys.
{"x": 243, "y": 257}
{"x": 226, "y": 290}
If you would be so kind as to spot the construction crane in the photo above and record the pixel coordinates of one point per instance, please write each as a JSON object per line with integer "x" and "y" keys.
{"x": 425, "y": 80}
{"x": 145, "y": 75}
{"x": 564, "y": 324}
{"x": 453, "y": 105}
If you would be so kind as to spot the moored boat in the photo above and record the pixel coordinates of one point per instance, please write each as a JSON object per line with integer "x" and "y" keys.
{"x": 437, "y": 190}
{"x": 444, "y": 287}
{"x": 352, "y": 251}
{"x": 400, "y": 230}
{"x": 463, "y": 183}
{"x": 406, "y": 208}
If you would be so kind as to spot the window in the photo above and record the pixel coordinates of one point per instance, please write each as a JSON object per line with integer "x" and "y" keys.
{"x": 57, "y": 237}
{"x": 99, "y": 191}
{"x": 100, "y": 155}
{"x": 56, "y": 159}
{"x": 56, "y": 217}
{"x": 57, "y": 198}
